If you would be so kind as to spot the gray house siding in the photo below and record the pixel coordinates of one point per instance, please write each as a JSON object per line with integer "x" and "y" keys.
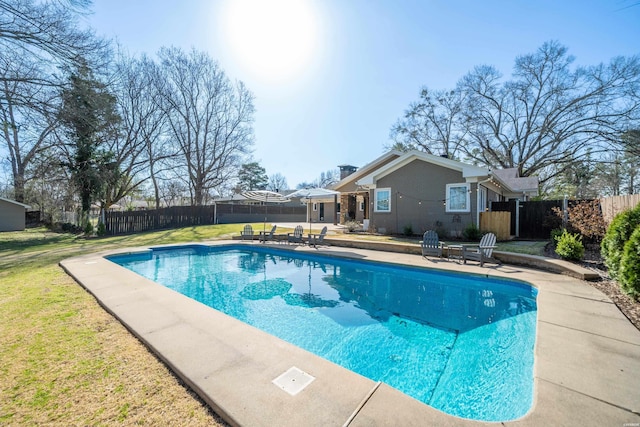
{"x": 12, "y": 216}
{"x": 324, "y": 212}
{"x": 418, "y": 192}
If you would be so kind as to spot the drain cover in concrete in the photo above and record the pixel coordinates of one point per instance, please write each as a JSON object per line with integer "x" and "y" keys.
{"x": 293, "y": 381}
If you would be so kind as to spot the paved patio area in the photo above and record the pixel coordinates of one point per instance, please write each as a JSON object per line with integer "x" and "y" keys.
{"x": 586, "y": 370}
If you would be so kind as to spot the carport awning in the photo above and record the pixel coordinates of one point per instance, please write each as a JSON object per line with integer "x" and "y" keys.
{"x": 314, "y": 193}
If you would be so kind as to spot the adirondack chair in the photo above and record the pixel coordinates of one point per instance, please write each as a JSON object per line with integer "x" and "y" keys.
{"x": 431, "y": 244}
{"x": 481, "y": 252}
{"x": 317, "y": 239}
{"x": 296, "y": 236}
{"x": 247, "y": 232}
{"x": 267, "y": 236}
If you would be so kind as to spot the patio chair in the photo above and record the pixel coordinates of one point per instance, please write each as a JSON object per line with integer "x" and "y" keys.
{"x": 481, "y": 252}
{"x": 431, "y": 244}
{"x": 317, "y": 239}
{"x": 296, "y": 236}
{"x": 267, "y": 236}
{"x": 247, "y": 232}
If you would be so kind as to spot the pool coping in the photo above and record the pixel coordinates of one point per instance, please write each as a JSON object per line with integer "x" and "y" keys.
{"x": 587, "y": 355}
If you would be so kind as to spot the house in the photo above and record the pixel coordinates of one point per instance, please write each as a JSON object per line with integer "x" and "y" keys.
{"x": 12, "y": 215}
{"x": 415, "y": 191}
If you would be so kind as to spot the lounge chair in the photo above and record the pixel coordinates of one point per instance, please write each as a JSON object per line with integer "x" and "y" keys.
{"x": 481, "y": 252}
{"x": 247, "y": 233}
{"x": 317, "y": 239}
{"x": 296, "y": 236}
{"x": 264, "y": 236}
{"x": 431, "y": 244}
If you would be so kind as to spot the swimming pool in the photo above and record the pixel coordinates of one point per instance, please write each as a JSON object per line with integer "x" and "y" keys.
{"x": 460, "y": 343}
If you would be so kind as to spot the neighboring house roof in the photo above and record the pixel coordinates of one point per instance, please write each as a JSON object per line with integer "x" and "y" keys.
{"x": 510, "y": 179}
{"x": 15, "y": 203}
{"x": 239, "y": 198}
{"x": 468, "y": 171}
{"x": 367, "y": 169}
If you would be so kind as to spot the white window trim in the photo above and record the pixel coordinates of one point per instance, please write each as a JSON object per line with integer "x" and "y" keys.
{"x": 315, "y": 206}
{"x": 375, "y": 199}
{"x": 467, "y": 187}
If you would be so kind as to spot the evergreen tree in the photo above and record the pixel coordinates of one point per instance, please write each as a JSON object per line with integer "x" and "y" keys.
{"x": 89, "y": 115}
{"x": 252, "y": 176}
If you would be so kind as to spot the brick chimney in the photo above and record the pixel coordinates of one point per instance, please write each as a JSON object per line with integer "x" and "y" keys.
{"x": 346, "y": 170}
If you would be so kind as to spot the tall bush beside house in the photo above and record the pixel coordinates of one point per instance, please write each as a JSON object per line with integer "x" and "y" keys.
{"x": 617, "y": 235}
{"x": 630, "y": 265}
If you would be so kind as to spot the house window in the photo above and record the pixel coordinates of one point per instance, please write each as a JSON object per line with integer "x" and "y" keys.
{"x": 315, "y": 207}
{"x": 458, "y": 199}
{"x": 361, "y": 206}
{"x": 382, "y": 201}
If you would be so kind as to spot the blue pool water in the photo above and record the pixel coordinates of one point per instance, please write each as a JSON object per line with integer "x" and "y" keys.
{"x": 460, "y": 343}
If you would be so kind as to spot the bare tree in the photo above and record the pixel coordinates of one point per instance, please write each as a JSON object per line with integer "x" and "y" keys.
{"x": 209, "y": 118}
{"x": 542, "y": 121}
{"x": 277, "y": 182}
{"x": 138, "y": 147}
{"x": 328, "y": 178}
{"x": 27, "y": 115}
{"x": 549, "y": 114}
{"x": 432, "y": 124}
{"x": 47, "y": 32}
{"x": 36, "y": 38}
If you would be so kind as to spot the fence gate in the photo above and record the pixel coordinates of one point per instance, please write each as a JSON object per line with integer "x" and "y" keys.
{"x": 536, "y": 218}
{"x": 499, "y": 223}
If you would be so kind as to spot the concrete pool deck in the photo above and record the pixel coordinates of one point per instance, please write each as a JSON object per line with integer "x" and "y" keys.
{"x": 587, "y": 354}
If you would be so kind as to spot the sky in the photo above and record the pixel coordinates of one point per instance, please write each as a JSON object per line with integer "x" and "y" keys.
{"x": 331, "y": 77}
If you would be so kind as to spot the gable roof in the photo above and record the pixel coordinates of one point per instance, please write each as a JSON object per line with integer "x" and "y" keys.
{"x": 510, "y": 179}
{"x": 367, "y": 169}
{"x": 15, "y": 203}
{"x": 468, "y": 171}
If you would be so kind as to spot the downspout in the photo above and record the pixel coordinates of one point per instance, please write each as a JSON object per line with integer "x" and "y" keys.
{"x": 478, "y": 200}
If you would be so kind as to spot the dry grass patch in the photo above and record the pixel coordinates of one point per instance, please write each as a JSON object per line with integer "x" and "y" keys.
{"x": 65, "y": 361}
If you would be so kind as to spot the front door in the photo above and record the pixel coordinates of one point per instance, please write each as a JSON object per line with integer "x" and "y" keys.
{"x": 321, "y": 211}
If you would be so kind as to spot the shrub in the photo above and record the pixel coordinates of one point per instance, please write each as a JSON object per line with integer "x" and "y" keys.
{"x": 407, "y": 230}
{"x": 570, "y": 246}
{"x": 471, "y": 232}
{"x": 630, "y": 265}
{"x": 352, "y": 226}
{"x": 66, "y": 227}
{"x": 617, "y": 235}
{"x": 585, "y": 217}
{"x": 555, "y": 235}
{"x": 88, "y": 229}
{"x": 102, "y": 229}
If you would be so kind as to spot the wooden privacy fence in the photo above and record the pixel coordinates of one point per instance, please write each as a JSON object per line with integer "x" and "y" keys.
{"x": 173, "y": 217}
{"x": 535, "y": 219}
{"x": 498, "y": 223}
{"x": 611, "y": 206}
{"x": 185, "y": 216}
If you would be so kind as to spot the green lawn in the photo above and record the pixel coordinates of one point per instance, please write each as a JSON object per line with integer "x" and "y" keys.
{"x": 534, "y": 247}
{"x": 65, "y": 361}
